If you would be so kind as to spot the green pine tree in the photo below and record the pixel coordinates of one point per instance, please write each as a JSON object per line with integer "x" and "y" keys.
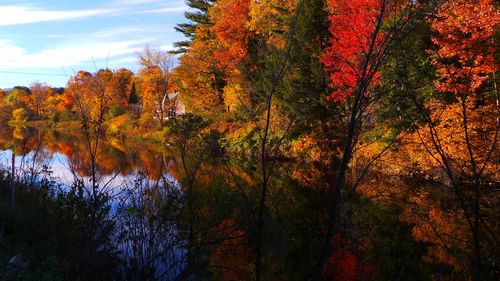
{"x": 133, "y": 98}
{"x": 198, "y": 16}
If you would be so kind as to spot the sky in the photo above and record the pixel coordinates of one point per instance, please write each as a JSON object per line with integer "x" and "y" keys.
{"x": 49, "y": 41}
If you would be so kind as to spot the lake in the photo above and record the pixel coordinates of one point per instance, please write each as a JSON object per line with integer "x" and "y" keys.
{"x": 66, "y": 155}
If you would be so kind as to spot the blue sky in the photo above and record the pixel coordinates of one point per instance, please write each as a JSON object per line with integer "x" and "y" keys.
{"x": 53, "y": 39}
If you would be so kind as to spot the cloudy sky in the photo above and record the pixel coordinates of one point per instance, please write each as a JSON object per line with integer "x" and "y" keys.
{"x": 48, "y": 41}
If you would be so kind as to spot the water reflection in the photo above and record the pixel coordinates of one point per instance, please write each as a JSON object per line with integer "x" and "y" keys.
{"x": 66, "y": 154}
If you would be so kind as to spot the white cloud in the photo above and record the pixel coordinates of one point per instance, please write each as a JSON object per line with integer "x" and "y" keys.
{"x": 142, "y": 2}
{"x": 12, "y": 57}
{"x": 122, "y": 32}
{"x": 167, "y": 10}
{"x": 168, "y": 47}
{"x": 152, "y": 6}
{"x": 123, "y": 60}
{"x": 19, "y": 14}
{"x": 15, "y": 15}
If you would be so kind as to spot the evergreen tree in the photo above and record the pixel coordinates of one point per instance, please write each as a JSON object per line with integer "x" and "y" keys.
{"x": 198, "y": 16}
{"x": 133, "y": 99}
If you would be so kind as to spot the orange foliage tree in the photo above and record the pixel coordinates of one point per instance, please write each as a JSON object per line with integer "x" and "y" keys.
{"x": 460, "y": 135}
{"x": 37, "y": 101}
{"x": 121, "y": 86}
{"x": 464, "y": 58}
{"x": 230, "y": 24}
{"x": 155, "y": 80}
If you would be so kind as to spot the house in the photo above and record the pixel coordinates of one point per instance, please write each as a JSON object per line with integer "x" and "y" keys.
{"x": 172, "y": 106}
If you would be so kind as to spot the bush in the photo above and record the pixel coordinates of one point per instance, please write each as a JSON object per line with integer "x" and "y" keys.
{"x": 115, "y": 111}
{"x": 63, "y": 235}
{"x": 66, "y": 115}
{"x": 54, "y": 117}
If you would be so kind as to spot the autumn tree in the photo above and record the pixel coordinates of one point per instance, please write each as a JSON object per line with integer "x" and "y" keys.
{"x": 52, "y": 105}
{"x": 461, "y": 129}
{"x": 230, "y": 18}
{"x": 37, "y": 101}
{"x": 91, "y": 100}
{"x": 353, "y": 24}
{"x": 270, "y": 19}
{"x": 362, "y": 33}
{"x": 121, "y": 87}
{"x": 17, "y": 96}
{"x": 464, "y": 57}
{"x": 19, "y": 115}
{"x": 156, "y": 77}
{"x": 79, "y": 89}
{"x": 198, "y": 77}
{"x": 66, "y": 102}
{"x": 233, "y": 41}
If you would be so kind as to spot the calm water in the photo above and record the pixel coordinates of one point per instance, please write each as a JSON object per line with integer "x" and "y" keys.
{"x": 66, "y": 155}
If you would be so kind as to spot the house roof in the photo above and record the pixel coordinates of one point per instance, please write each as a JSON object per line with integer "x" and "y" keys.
{"x": 173, "y": 95}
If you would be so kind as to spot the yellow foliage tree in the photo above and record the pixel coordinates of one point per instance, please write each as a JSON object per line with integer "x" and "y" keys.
{"x": 155, "y": 85}
{"x": 198, "y": 78}
{"x": 268, "y": 18}
{"x": 19, "y": 115}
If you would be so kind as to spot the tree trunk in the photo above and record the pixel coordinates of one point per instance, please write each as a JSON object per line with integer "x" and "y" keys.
{"x": 13, "y": 182}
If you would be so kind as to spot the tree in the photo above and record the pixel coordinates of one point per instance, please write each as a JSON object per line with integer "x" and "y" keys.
{"x": 17, "y": 96}
{"x": 196, "y": 145}
{"x": 66, "y": 102}
{"x": 464, "y": 62}
{"x": 156, "y": 77}
{"x": 270, "y": 19}
{"x": 409, "y": 67}
{"x": 19, "y": 115}
{"x": 233, "y": 36}
{"x": 352, "y": 25}
{"x": 230, "y": 18}
{"x": 121, "y": 87}
{"x": 91, "y": 100}
{"x": 363, "y": 32}
{"x": 198, "y": 15}
{"x": 37, "y": 101}
{"x": 464, "y": 58}
{"x": 84, "y": 100}
{"x": 451, "y": 119}
{"x": 133, "y": 98}
{"x": 198, "y": 77}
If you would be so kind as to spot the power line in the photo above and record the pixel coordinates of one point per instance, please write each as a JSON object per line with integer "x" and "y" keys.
{"x": 32, "y": 73}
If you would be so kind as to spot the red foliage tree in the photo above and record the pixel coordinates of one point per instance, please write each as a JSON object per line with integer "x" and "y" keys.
{"x": 343, "y": 265}
{"x": 352, "y": 25}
